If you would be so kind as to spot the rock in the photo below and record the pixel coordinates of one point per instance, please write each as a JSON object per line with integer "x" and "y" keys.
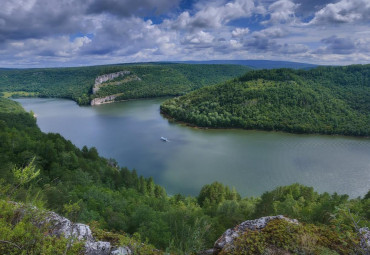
{"x": 98, "y": 248}
{"x": 103, "y": 100}
{"x": 208, "y": 252}
{"x": 61, "y": 226}
{"x": 365, "y": 239}
{"x": 123, "y": 250}
{"x": 227, "y": 239}
{"x": 107, "y": 77}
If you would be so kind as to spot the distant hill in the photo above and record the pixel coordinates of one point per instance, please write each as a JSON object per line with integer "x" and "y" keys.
{"x": 151, "y": 80}
{"x": 257, "y": 64}
{"x": 327, "y": 100}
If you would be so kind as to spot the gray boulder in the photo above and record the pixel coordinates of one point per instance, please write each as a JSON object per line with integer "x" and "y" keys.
{"x": 123, "y": 250}
{"x": 61, "y": 226}
{"x": 227, "y": 239}
{"x": 97, "y": 248}
{"x": 365, "y": 239}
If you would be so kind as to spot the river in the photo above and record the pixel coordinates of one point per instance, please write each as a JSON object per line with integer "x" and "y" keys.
{"x": 250, "y": 161}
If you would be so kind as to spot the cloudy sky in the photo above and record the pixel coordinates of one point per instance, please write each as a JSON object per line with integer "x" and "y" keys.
{"x": 38, "y": 33}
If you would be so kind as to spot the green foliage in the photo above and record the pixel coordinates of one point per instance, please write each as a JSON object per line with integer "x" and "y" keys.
{"x": 136, "y": 245}
{"x": 327, "y": 100}
{"x": 26, "y": 174}
{"x": 216, "y": 193}
{"x": 76, "y": 83}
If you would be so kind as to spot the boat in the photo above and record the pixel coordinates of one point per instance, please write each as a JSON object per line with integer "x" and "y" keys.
{"x": 164, "y": 139}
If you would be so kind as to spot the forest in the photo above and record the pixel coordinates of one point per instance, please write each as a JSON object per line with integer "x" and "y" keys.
{"x": 157, "y": 80}
{"x": 324, "y": 100}
{"x": 95, "y": 190}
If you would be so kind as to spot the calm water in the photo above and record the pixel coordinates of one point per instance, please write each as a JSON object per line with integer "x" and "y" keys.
{"x": 251, "y": 161}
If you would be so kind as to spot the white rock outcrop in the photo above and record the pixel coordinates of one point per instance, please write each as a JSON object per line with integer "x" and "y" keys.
{"x": 107, "y": 77}
{"x": 365, "y": 239}
{"x": 61, "y": 226}
{"x": 103, "y": 100}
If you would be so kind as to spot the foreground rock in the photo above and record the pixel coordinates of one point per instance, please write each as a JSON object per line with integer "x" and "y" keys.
{"x": 61, "y": 226}
{"x": 281, "y": 235}
{"x": 226, "y": 241}
{"x": 365, "y": 239}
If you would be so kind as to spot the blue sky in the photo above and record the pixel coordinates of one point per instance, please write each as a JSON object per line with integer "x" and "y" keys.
{"x": 45, "y": 33}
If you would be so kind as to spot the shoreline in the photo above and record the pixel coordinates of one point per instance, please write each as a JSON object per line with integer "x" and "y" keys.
{"x": 183, "y": 123}
{"x": 187, "y": 124}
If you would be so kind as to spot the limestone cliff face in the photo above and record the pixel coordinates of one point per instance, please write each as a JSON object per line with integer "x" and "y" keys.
{"x": 103, "y": 100}
{"x": 107, "y": 77}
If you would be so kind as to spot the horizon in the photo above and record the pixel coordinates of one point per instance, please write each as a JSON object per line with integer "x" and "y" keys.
{"x": 176, "y": 62}
{"x": 68, "y": 33}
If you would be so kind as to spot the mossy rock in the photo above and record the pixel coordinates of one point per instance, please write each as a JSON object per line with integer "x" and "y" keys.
{"x": 282, "y": 237}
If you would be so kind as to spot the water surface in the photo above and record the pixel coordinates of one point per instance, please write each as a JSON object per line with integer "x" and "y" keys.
{"x": 251, "y": 161}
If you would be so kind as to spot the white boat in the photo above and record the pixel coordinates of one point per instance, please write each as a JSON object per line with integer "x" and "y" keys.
{"x": 164, "y": 139}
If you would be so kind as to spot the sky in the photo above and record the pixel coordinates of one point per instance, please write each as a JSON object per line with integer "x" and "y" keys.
{"x": 53, "y": 33}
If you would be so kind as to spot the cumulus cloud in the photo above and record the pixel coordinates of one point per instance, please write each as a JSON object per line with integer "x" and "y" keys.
{"x": 129, "y": 36}
{"x": 51, "y": 32}
{"x": 282, "y": 11}
{"x": 214, "y": 14}
{"x": 57, "y": 47}
{"x": 237, "y": 32}
{"x": 337, "y": 45}
{"x": 309, "y": 7}
{"x": 344, "y": 11}
{"x": 271, "y": 32}
{"x": 37, "y": 18}
{"x": 200, "y": 38}
{"x": 128, "y": 8}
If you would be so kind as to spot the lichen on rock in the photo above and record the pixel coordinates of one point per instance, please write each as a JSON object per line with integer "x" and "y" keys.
{"x": 229, "y": 236}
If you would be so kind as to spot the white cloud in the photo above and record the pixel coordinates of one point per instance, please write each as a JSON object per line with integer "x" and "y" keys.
{"x": 271, "y": 32}
{"x": 345, "y": 11}
{"x": 237, "y": 32}
{"x": 282, "y": 11}
{"x": 214, "y": 14}
{"x": 39, "y": 32}
{"x": 199, "y": 38}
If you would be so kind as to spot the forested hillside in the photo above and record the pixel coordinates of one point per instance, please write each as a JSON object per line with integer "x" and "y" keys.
{"x": 95, "y": 190}
{"x": 326, "y": 100}
{"x": 76, "y": 83}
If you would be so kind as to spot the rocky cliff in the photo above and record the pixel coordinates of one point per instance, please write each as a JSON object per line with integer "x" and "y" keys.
{"x": 104, "y": 100}
{"x": 107, "y": 77}
{"x": 104, "y": 80}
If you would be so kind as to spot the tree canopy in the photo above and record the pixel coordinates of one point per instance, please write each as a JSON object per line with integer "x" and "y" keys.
{"x": 326, "y": 100}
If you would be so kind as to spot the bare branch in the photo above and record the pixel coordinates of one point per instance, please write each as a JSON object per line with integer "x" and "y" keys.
{"x": 7, "y": 242}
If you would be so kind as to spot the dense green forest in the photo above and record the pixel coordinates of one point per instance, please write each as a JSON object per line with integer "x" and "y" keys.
{"x": 326, "y": 100}
{"x": 117, "y": 199}
{"x": 76, "y": 83}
